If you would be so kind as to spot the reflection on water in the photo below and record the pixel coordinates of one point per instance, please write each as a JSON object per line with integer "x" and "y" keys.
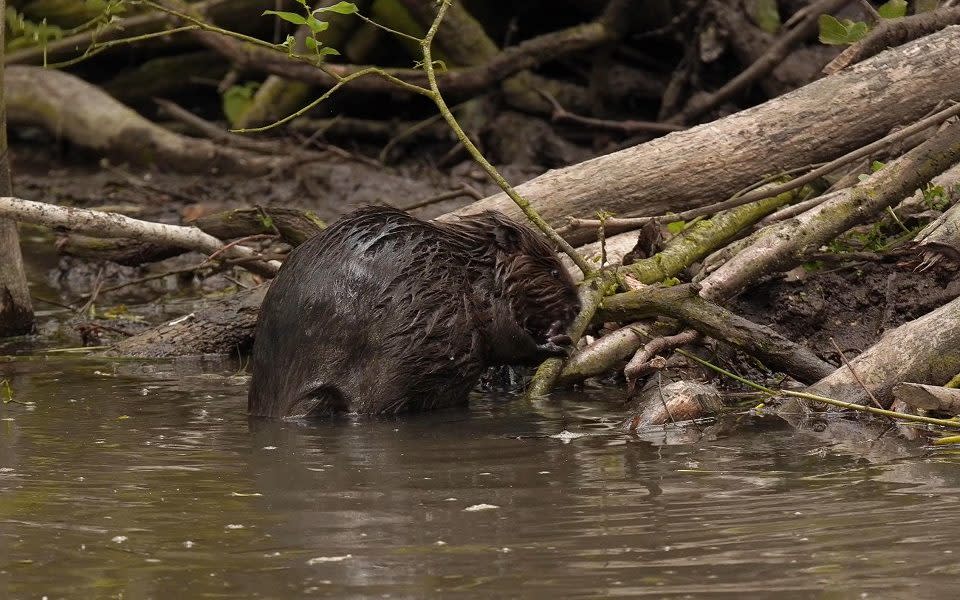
{"x": 145, "y": 480}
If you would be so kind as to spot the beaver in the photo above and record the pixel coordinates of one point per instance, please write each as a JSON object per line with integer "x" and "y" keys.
{"x": 383, "y": 313}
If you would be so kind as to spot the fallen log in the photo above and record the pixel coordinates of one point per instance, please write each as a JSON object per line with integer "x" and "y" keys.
{"x": 928, "y": 397}
{"x": 940, "y": 238}
{"x": 104, "y": 224}
{"x": 673, "y": 403}
{"x": 67, "y": 106}
{"x": 786, "y": 244}
{"x": 291, "y": 225}
{"x": 711, "y": 162}
{"x": 225, "y": 326}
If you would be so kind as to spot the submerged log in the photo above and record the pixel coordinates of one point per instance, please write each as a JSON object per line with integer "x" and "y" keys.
{"x": 225, "y": 326}
{"x": 709, "y": 163}
{"x": 673, "y": 403}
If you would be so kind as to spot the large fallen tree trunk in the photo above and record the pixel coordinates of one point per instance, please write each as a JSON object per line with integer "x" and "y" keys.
{"x": 817, "y": 122}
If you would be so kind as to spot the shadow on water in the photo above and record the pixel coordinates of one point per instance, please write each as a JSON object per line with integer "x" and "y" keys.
{"x": 145, "y": 480}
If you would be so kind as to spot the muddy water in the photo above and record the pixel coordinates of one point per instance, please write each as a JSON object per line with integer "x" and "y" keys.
{"x": 145, "y": 480}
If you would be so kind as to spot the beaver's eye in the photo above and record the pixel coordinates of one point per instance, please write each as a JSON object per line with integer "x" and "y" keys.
{"x": 555, "y": 273}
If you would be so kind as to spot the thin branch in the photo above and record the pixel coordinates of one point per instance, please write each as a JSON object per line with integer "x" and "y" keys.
{"x": 817, "y": 398}
{"x": 340, "y": 83}
{"x": 388, "y": 29}
{"x": 853, "y": 372}
{"x": 99, "y": 47}
{"x": 628, "y": 126}
{"x": 762, "y": 66}
{"x": 520, "y": 201}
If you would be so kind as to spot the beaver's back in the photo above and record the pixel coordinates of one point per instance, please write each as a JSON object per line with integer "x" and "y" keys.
{"x": 375, "y": 314}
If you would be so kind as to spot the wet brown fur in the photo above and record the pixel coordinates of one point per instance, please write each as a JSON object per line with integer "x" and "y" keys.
{"x": 385, "y": 313}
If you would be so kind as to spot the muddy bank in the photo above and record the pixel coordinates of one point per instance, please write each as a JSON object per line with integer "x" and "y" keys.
{"x": 854, "y": 304}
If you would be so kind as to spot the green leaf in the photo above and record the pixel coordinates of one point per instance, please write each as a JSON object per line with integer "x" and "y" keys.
{"x": 311, "y": 43}
{"x": 836, "y": 32}
{"x": 893, "y": 9}
{"x": 856, "y": 32}
{"x": 237, "y": 100}
{"x": 876, "y": 166}
{"x": 328, "y": 51}
{"x": 316, "y": 25}
{"x": 765, "y": 14}
{"x": 832, "y": 30}
{"x": 341, "y": 8}
{"x": 287, "y": 16}
{"x": 676, "y": 227}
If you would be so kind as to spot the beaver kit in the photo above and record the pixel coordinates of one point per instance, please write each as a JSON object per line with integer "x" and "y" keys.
{"x": 383, "y": 313}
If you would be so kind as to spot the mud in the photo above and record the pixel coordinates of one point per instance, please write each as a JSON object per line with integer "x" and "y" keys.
{"x": 853, "y": 304}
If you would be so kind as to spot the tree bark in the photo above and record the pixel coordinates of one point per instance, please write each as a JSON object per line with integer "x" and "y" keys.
{"x": 709, "y": 163}
{"x": 224, "y": 327}
{"x": 16, "y": 311}
{"x": 83, "y": 113}
{"x": 928, "y": 397}
{"x": 788, "y": 243}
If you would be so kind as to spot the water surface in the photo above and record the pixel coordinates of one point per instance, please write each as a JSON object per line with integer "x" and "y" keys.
{"x": 125, "y": 479}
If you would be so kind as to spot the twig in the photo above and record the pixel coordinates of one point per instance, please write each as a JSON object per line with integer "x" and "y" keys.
{"x": 234, "y": 243}
{"x": 762, "y": 66}
{"x": 628, "y": 127}
{"x": 98, "y": 283}
{"x": 463, "y": 190}
{"x": 392, "y": 142}
{"x": 853, "y": 372}
{"x": 99, "y": 47}
{"x": 215, "y": 132}
{"x": 817, "y": 398}
{"x": 641, "y": 363}
{"x": 153, "y": 277}
{"x": 520, "y": 201}
{"x": 871, "y": 11}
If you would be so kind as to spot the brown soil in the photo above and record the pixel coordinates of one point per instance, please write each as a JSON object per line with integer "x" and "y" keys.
{"x": 852, "y": 304}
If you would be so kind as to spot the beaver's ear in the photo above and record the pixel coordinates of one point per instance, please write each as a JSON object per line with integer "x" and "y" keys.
{"x": 506, "y": 236}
